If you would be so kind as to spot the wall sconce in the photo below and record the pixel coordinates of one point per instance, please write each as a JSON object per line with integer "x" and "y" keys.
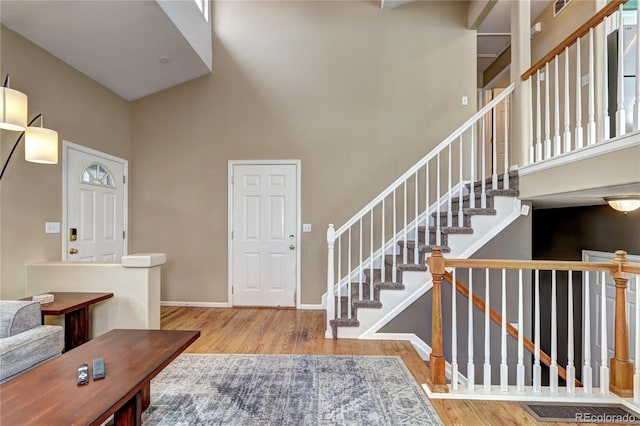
{"x": 41, "y": 144}
{"x": 625, "y": 203}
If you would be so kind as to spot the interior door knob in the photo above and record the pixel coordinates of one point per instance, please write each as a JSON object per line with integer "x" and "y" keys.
{"x": 73, "y": 251}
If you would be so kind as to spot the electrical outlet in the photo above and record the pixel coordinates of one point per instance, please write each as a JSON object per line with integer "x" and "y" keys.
{"x": 52, "y": 227}
{"x": 306, "y": 227}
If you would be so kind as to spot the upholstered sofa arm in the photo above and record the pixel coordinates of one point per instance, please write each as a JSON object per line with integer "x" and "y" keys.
{"x": 30, "y": 348}
{"x": 17, "y": 316}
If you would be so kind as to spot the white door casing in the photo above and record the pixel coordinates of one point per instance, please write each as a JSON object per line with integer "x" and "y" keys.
{"x": 595, "y": 300}
{"x": 94, "y": 204}
{"x": 264, "y": 242}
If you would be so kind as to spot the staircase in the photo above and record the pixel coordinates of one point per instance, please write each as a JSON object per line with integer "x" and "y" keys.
{"x": 458, "y": 197}
{"x": 459, "y": 235}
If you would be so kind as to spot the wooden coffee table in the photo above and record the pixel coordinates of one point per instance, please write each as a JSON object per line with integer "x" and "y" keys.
{"x": 75, "y": 308}
{"x": 48, "y": 394}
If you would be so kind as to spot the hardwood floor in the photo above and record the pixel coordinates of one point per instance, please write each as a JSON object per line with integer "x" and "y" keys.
{"x": 290, "y": 331}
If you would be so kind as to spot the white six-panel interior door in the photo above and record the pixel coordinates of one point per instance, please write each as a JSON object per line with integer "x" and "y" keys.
{"x": 264, "y": 238}
{"x": 94, "y": 205}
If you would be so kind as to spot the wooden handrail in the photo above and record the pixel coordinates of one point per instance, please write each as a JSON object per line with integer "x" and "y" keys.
{"x": 632, "y": 268}
{"x": 571, "y": 39}
{"x": 545, "y": 265}
{"x": 511, "y": 330}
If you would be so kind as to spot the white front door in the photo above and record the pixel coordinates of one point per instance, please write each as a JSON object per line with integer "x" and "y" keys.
{"x": 595, "y": 306}
{"x": 264, "y": 237}
{"x": 95, "y": 191}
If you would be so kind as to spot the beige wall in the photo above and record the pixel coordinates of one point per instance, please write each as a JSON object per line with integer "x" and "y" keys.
{"x": 82, "y": 111}
{"x": 556, "y": 29}
{"x": 356, "y": 93}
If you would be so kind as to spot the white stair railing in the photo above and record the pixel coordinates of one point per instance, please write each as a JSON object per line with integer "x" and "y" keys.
{"x": 395, "y": 226}
{"x": 590, "y": 119}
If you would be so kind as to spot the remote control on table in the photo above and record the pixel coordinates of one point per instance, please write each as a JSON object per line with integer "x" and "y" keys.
{"x": 98, "y": 369}
{"x": 83, "y": 374}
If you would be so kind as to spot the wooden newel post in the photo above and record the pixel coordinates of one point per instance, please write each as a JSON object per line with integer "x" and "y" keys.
{"x": 437, "y": 380}
{"x": 621, "y": 368}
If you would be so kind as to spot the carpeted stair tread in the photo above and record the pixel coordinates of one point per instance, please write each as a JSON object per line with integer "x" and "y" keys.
{"x": 452, "y": 229}
{"x": 502, "y": 193}
{"x": 344, "y": 322}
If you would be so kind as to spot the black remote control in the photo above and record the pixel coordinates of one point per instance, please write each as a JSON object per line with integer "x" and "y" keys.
{"x": 98, "y": 369}
{"x": 83, "y": 374}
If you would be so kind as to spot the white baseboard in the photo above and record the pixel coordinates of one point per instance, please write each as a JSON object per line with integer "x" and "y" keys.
{"x": 309, "y": 306}
{"x": 196, "y": 304}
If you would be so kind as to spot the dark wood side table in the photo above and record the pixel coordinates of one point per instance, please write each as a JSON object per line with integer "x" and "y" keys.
{"x": 75, "y": 308}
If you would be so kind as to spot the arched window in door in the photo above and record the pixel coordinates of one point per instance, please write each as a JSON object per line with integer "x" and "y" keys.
{"x": 97, "y": 174}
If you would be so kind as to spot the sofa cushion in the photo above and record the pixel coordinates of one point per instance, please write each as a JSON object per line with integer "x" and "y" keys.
{"x": 30, "y": 348}
{"x": 17, "y": 316}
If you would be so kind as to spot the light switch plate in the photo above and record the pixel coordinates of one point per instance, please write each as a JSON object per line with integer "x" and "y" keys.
{"x": 52, "y": 227}
{"x": 306, "y": 227}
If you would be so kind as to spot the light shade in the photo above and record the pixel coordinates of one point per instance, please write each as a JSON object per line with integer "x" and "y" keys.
{"x": 41, "y": 145}
{"x": 13, "y": 109}
{"x": 624, "y": 204}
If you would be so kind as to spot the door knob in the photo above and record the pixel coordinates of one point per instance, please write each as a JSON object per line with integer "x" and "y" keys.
{"x": 292, "y": 247}
{"x": 73, "y": 251}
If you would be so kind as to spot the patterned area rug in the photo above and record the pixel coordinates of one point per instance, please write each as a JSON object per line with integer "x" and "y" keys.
{"x": 292, "y": 390}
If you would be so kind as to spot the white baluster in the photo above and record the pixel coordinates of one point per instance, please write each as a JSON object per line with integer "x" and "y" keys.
{"x": 471, "y": 372}
{"x": 371, "y": 257}
{"x": 532, "y": 149}
{"x": 587, "y": 370}
{"x": 567, "y": 98}
{"x": 547, "y": 113}
{"x": 483, "y": 176}
{"x": 537, "y": 370}
{"x": 427, "y": 215}
{"x": 538, "y": 119}
{"x": 416, "y": 246}
{"x": 591, "y": 112}
{"x": 438, "y": 238}
{"x": 507, "y": 118}
{"x": 636, "y": 375}
{"x": 454, "y": 334}
{"x": 449, "y": 192}
{"x": 383, "y": 276}
{"x": 494, "y": 151}
{"x": 571, "y": 369}
{"x": 636, "y": 111}
{"x": 604, "y": 362}
{"x": 504, "y": 368}
{"x": 579, "y": 141}
{"x": 557, "y": 141}
{"x": 621, "y": 116}
{"x": 360, "y": 268}
{"x": 349, "y": 278}
{"x": 331, "y": 304}
{"x": 520, "y": 367}
{"x": 405, "y": 247}
{"x": 487, "y": 332}
{"x": 394, "y": 260}
{"x": 472, "y": 162}
{"x": 606, "y": 122}
{"x": 339, "y": 277}
{"x": 461, "y": 189}
{"x": 553, "y": 369}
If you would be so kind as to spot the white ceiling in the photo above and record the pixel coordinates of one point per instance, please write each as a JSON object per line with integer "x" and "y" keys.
{"x": 117, "y": 43}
